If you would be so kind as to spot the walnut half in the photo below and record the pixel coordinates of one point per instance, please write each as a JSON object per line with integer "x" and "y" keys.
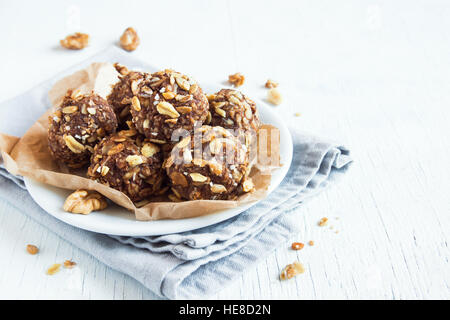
{"x": 83, "y": 202}
{"x": 129, "y": 39}
{"x": 75, "y": 41}
{"x": 236, "y": 79}
{"x": 271, "y": 84}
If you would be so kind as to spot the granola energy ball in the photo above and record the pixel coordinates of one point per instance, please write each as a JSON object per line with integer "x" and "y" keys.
{"x": 210, "y": 164}
{"x": 164, "y": 102}
{"x": 129, "y": 163}
{"x": 233, "y": 110}
{"x": 77, "y": 125}
{"x": 123, "y": 91}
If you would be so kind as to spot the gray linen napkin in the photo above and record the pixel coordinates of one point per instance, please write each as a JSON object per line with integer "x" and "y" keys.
{"x": 197, "y": 263}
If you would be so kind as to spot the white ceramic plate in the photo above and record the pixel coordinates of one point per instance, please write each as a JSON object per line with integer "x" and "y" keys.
{"x": 116, "y": 220}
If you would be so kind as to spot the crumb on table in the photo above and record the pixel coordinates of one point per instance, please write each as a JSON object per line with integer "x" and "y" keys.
{"x": 236, "y": 79}
{"x": 32, "y": 249}
{"x": 69, "y": 264}
{"x": 297, "y": 246}
{"x": 53, "y": 269}
{"x": 291, "y": 270}
{"x": 323, "y": 222}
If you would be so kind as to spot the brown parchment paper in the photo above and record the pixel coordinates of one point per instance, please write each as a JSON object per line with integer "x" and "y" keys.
{"x": 29, "y": 156}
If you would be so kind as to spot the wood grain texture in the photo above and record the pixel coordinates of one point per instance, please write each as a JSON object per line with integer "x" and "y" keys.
{"x": 374, "y": 75}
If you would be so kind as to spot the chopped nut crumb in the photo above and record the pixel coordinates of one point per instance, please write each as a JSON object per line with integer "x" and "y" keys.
{"x": 291, "y": 270}
{"x": 274, "y": 96}
{"x": 311, "y": 243}
{"x": 32, "y": 249}
{"x": 297, "y": 246}
{"x": 323, "y": 222}
{"x": 271, "y": 84}
{"x": 129, "y": 39}
{"x": 69, "y": 264}
{"x": 297, "y": 114}
{"x": 54, "y": 269}
{"x": 121, "y": 69}
{"x": 236, "y": 79}
{"x": 75, "y": 41}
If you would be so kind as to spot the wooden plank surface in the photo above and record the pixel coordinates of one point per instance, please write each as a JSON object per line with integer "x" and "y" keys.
{"x": 374, "y": 75}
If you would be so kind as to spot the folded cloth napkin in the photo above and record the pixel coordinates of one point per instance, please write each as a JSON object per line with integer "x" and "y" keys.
{"x": 192, "y": 264}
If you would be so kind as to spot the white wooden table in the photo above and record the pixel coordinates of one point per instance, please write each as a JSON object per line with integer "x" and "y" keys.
{"x": 375, "y": 75}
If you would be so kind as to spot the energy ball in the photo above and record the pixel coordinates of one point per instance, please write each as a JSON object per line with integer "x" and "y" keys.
{"x": 77, "y": 125}
{"x": 164, "y": 102}
{"x": 211, "y": 164}
{"x": 233, "y": 110}
{"x": 122, "y": 92}
{"x": 129, "y": 163}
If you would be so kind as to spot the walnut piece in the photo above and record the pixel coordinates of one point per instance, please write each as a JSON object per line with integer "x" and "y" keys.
{"x": 121, "y": 69}
{"x": 69, "y": 264}
{"x": 271, "y": 84}
{"x": 83, "y": 202}
{"x": 75, "y": 41}
{"x": 129, "y": 39}
{"x": 53, "y": 269}
{"x": 236, "y": 79}
{"x": 323, "y": 222}
{"x": 274, "y": 96}
{"x": 297, "y": 246}
{"x": 32, "y": 249}
{"x": 291, "y": 270}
